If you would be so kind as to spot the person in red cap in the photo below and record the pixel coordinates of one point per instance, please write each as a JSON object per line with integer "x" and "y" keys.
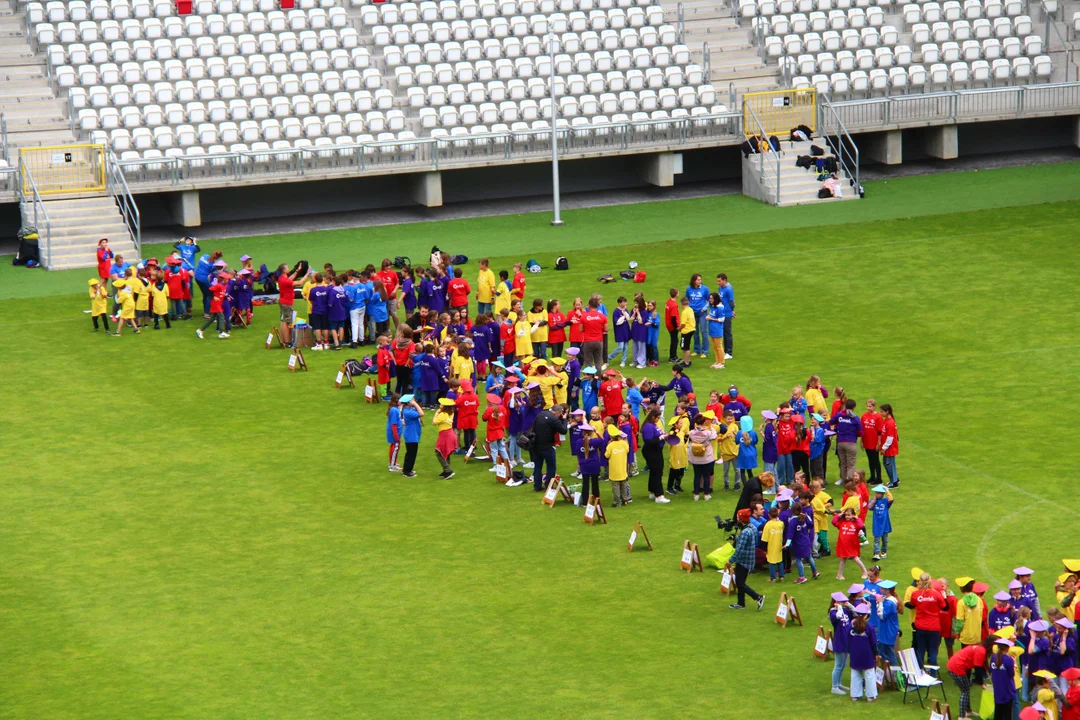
{"x": 495, "y": 417}
{"x": 468, "y": 410}
{"x": 1071, "y": 709}
{"x": 611, "y": 394}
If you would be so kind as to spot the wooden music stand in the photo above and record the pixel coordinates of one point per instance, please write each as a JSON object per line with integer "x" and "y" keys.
{"x": 274, "y": 335}
{"x": 727, "y": 579}
{"x": 296, "y": 360}
{"x": 344, "y": 377}
{"x": 638, "y": 533}
{"x": 822, "y": 647}
{"x": 691, "y": 557}
{"x": 793, "y": 610}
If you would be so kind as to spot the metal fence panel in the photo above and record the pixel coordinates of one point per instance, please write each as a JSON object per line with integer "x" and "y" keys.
{"x": 66, "y": 168}
{"x": 781, "y": 110}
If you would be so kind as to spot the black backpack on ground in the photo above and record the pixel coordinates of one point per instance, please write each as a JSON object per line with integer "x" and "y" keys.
{"x": 816, "y": 151}
{"x": 561, "y": 263}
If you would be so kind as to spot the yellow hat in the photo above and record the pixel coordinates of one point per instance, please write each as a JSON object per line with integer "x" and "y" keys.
{"x": 1065, "y": 576}
{"x": 614, "y": 431}
{"x": 540, "y": 363}
{"x": 558, "y": 362}
{"x": 1006, "y": 632}
{"x": 1071, "y": 565}
{"x": 119, "y": 283}
{"x": 709, "y": 414}
{"x": 674, "y": 420}
{"x": 447, "y": 402}
{"x": 1044, "y": 674}
{"x": 93, "y": 282}
{"x": 916, "y": 572}
{"x": 963, "y": 580}
{"x": 527, "y": 359}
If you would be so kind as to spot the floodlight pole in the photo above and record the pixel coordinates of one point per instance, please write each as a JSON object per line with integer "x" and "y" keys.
{"x": 557, "y": 221}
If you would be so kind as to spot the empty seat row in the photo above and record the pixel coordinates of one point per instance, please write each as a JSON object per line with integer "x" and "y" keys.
{"x": 932, "y": 12}
{"x": 448, "y": 10}
{"x": 516, "y": 89}
{"x": 76, "y": 10}
{"x": 1002, "y": 27}
{"x": 246, "y": 130}
{"x": 195, "y": 25}
{"x": 765, "y": 8}
{"x": 980, "y": 72}
{"x": 530, "y": 46}
{"x": 831, "y": 40}
{"x": 88, "y": 32}
{"x": 88, "y": 75}
{"x": 820, "y": 21}
{"x": 988, "y": 49}
{"x": 884, "y": 57}
{"x": 541, "y": 25}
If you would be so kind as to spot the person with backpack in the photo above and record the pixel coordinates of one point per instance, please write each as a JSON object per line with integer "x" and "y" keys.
{"x": 702, "y": 456}
{"x": 545, "y": 427}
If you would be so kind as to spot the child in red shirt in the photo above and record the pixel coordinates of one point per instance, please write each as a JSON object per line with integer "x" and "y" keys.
{"x": 384, "y": 361}
{"x": 468, "y": 411}
{"x": 495, "y": 417}
{"x": 458, "y": 290}
{"x": 872, "y": 425}
{"x": 671, "y": 322}
{"x": 611, "y": 394}
{"x": 847, "y": 544}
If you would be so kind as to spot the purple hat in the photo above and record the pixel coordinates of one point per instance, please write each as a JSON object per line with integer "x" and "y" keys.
{"x": 245, "y": 258}
{"x": 1015, "y": 585}
{"x": 1039, "y": 626}
{"x": 1038, "y": 706}
{"x": 1004, "y": 641}
{"x": 768, "y": 414}
{"x": 1002, "y": 596}
{"x": 572, "y": 352}
{"x": 245, "y": 271}
{"x": 673, "y": 440}
{"x": 532, "y": 386}
{"x": 856, "y": 588}
{"x": 219, "y": 263}
{"x": 1065, "y": 622}
{"x": 1023, "y": 570}
{"x": 579, "y": 411}
{"x": 839, "y": 596}
{"x": 862, "y": 609}
{"x": 784, "y": 495}
{"x": 514, "y": 390}
{"x": 830, "y": 433}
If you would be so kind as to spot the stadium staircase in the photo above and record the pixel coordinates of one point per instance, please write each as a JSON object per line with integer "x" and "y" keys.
{"x": 724, "y": 48}
{"x": 76, "y": 225}
{"x": 763, "y": 174}
{"x": 35, "y": 116}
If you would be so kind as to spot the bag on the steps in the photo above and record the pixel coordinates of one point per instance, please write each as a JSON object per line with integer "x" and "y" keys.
{"x": 749, "y": 147}
{"x": 816, "y": 151}
{"x": 28, "y": 247}
{"x": 824, "y": 193}
{"x": 804, "y": 161}
{"x": 805, "y": 130}
{"x": 831, "y": 165}
{"x": 797, "y": 135}
{"x": 775, "y": 142}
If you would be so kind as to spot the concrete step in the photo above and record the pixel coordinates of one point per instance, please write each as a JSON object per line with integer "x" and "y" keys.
{"x": 36, "y": 136}
{"x": 86, "y": 256}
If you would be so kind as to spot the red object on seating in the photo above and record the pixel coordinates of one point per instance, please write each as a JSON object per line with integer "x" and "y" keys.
{"x": 287, "y": 4}
{"x": 183, "y": 7}
{"x": 378, "y": 2}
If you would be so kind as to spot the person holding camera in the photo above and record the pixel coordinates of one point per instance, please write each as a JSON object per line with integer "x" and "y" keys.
{"x": 546, "y": 426}
{"x": 745, "y": 557}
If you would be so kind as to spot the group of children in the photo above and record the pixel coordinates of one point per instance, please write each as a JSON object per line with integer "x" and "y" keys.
{"x": 147, "y": 291}
{"x": 1017, "y": 650}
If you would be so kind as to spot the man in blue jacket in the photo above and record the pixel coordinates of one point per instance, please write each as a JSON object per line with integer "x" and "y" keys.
{"x": 727, "y": 299}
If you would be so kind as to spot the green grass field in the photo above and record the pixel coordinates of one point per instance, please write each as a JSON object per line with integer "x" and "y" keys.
{"x": 192, "y": 531}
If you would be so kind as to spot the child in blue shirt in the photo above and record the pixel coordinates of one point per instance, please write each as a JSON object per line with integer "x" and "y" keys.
{"x": 817, "y": 447}
{"x": 633, "y": 397}
{"x": 395, "y": 431}
{"x": 589, "y": 389}
{"x": 715, "y": 315}
{"x": 880, "y": 506}
{"x": 652, "y": 342}
{"x": 411, "y": 413}
{"x": 747, "y": 440}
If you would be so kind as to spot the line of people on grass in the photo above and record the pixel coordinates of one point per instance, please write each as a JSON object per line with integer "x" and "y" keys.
{"x": 1010, "y": 644}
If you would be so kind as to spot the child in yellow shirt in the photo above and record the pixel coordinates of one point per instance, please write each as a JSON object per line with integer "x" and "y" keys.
{"x": 126, "y": 298}
{"x": 687, "y": 326}
{"x": 618, "y": 454}
{"x": 562, "y": 380}
{"x": 821, "y": 503}
{"x": 772, "y": 534}
{"x": 538, "y": 327}
{"x": 729, "y": 448}
{"x": 462, "y": 366}
{"x": 160, "y": 291}
{"x": 99, "y": 303}
{"x": 446, "y": 443}
{"x": 523, "y": 346}
{"x": 141, "y": 288}
{"x": 677, "y": 454}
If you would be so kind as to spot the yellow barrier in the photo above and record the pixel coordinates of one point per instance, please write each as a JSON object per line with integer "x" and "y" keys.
{"x": 779, "y": 111}
{"x": 65, "y": 168}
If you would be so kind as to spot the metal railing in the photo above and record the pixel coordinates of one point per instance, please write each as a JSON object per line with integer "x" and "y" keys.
{"x": 1064, "y": 48}
{"x": 432, "y": 153}
{"x": 706, "y": 62}
{"x": 118, "y": 189}
{"x": 40, "y": 215}
{"x": 763, "y": 175}
{"x": 832, "y": 130}
{"x": 943, "y": 108}
{"x": 9, "y": 181}
{"x": 680, "y": 19}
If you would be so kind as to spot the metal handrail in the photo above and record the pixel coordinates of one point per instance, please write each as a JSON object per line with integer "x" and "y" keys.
{"x": 680, "y": 33}
{"x": 4, "y": 137}
{"x": 761, "y": 155}
{"x": 121, "y": 195}
{"x": 1065, "y": 46}
{"x": 40, "y": 213}
{"x": 827, "y": 118}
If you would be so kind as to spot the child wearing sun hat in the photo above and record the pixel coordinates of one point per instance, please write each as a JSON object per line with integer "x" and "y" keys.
{"x": 862, "y": 655}
{"x": 99, "y": 303}
{"x": 1002, "y": 614}
{"x": 840, "y": 615}
{"x": 1071, "y": 678}
{"x": 1027, "y": 590}
{"x": 1062, "y": 649}
{"x": 1002, "y": 674}
{"x": 1045, "y": 692}
{"x": 446, "y": 442}
{"x": 1065, "y": 590}
{"x": 881, "y": 505}
{"x": 617, "y": 454}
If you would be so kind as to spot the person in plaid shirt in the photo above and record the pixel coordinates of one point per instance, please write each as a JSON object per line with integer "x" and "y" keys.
{"x": 745, "y": 557}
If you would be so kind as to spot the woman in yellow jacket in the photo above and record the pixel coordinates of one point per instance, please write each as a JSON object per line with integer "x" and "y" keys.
{"x": 677, "y": 456}
{"x": 538, "y": 326}
{"x": 815, "y": 399}
{"x": 562, "y": 387}
{"x": 969, "y": 612}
